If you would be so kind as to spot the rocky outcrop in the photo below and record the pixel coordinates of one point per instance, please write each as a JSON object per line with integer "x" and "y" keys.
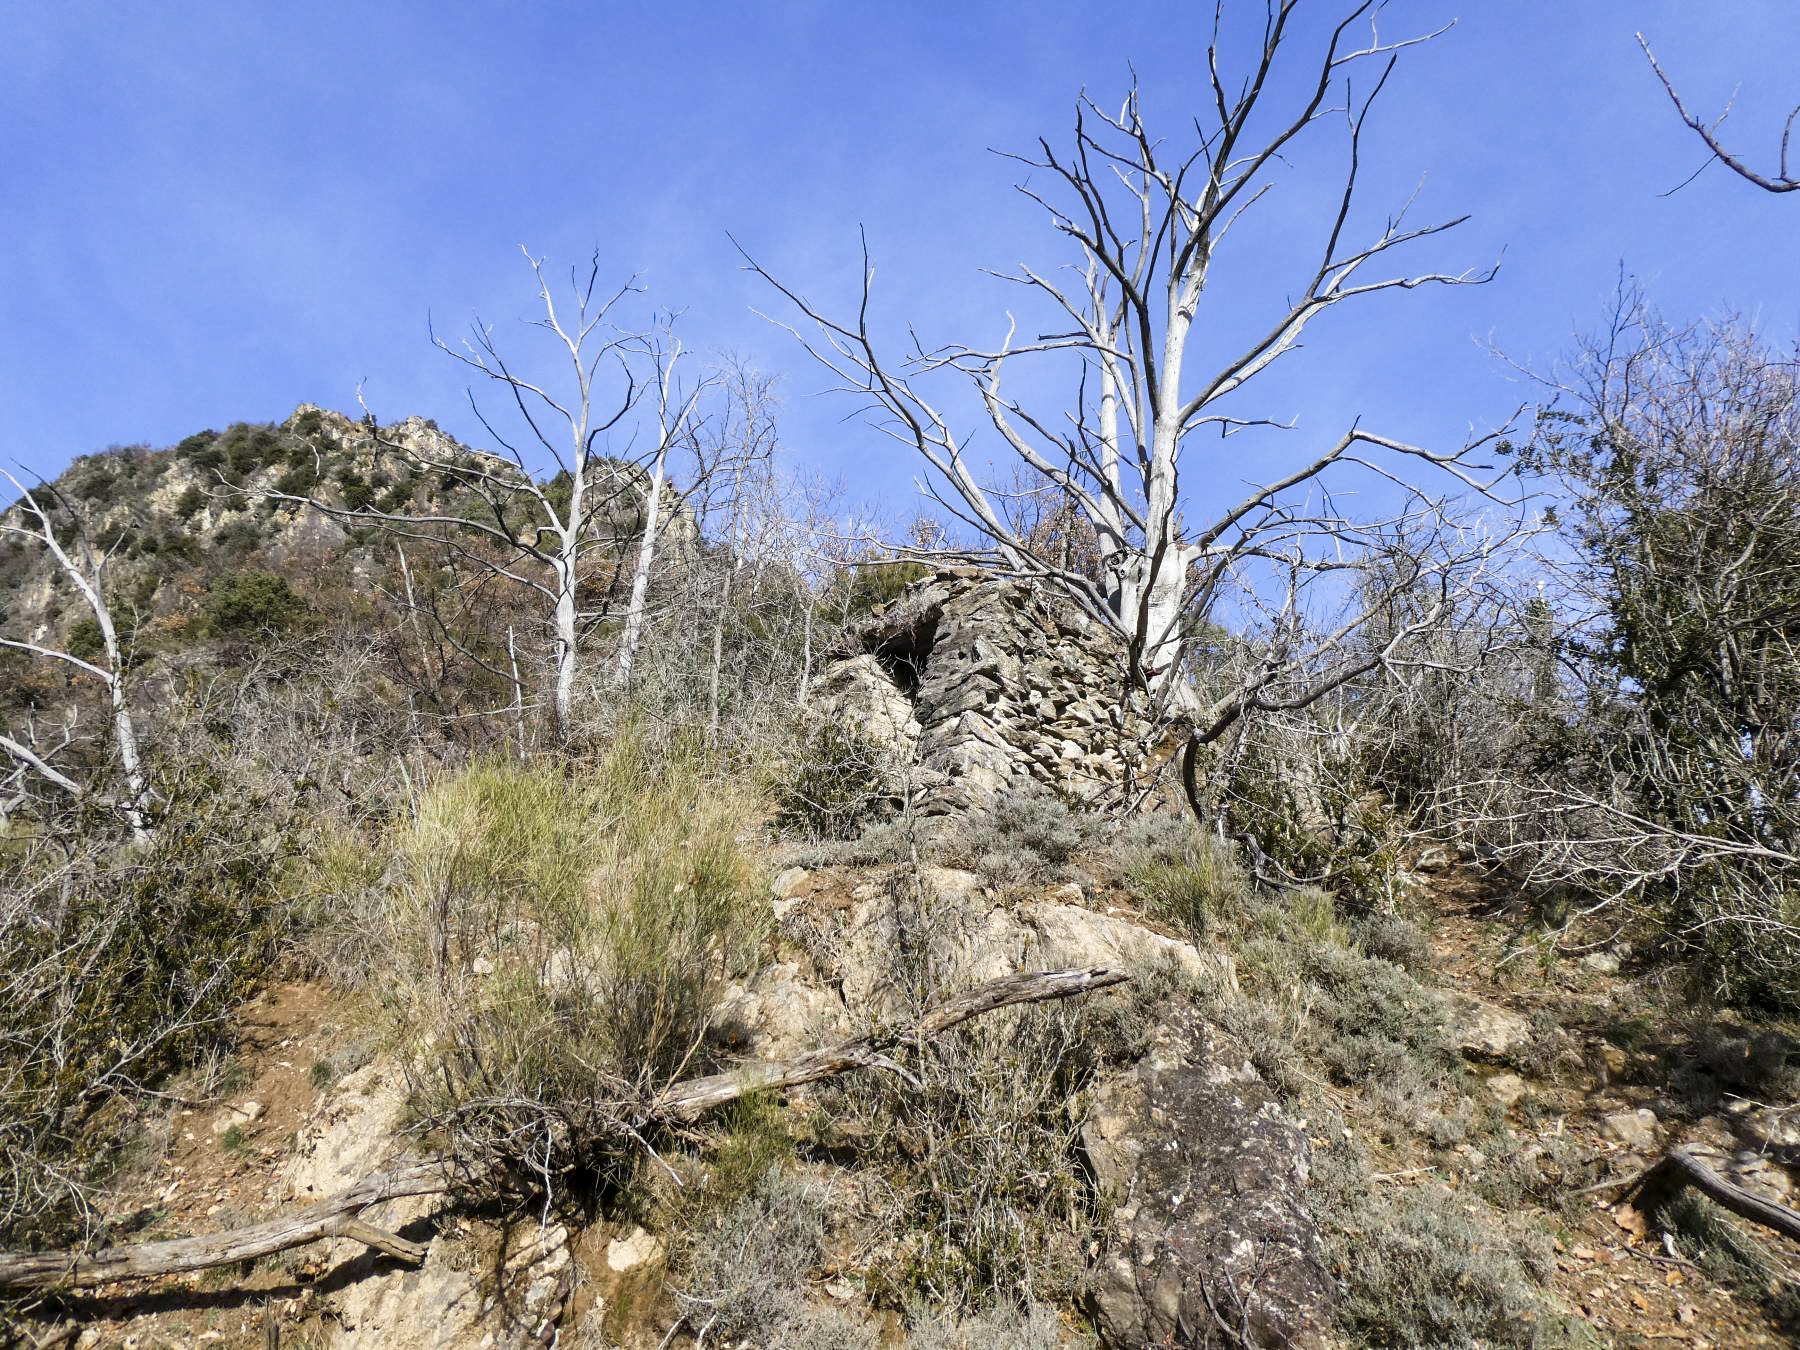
{"x": 980, "y": 683}
{"x": 1483, "y": 1031}
{"x": 1204, "y": 1173}
{"x": 851, "y": 940}
{"x": 479, "y": 1288}
{"x": 1211, "y": 1241}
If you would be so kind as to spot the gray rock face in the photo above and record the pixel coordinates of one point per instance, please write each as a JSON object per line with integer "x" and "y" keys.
{"x": 1210, "y": 1238}
{"x": 860, "y": 692}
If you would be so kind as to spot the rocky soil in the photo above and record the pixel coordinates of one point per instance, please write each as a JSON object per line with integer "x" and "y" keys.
{"x": 1209, "y": 1173}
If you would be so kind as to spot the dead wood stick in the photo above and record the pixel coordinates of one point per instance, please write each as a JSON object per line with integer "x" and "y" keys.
{"x": 337, "y": 1215}
{"x": 690, "y": 1100}
{"x": 332, "y": 1217}
{"x": 1679, "y": 1167}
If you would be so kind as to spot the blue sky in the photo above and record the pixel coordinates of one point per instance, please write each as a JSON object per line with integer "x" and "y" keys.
{"x": 216, "y": 211}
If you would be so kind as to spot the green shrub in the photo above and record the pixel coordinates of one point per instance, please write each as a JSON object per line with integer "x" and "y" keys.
{"x": 85, "y": 641}
{"x": 992, "y": 1198}
{"x": 1179, "y": 873}
{"x": 251, "y": 604}
{"x": 1005, "y": 1326}
{"x": 838, "y": 783}
{"x": 247, "y": 448}
{"x": 563, "y": 942}
{"x": 863, "y": 588}
{"x": 297, "y": 480}
{"x": 1395, "y": 939}
{"x": 1730, "y": 1253}
{"x": 121, "y": 967}
{"x": 237, "y": 537}
{"x": 202, "y": 450}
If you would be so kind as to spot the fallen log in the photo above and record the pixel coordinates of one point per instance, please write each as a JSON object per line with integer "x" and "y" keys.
{"x": 1680, "y": 1167}
{"x": 687, "y": 1101}
{"x": 330, "y": 1218}
{"x": 338, "y": 1216}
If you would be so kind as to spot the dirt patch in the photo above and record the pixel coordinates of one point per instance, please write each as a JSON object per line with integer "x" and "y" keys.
{"x": 1601, "y": 1089}
{"x": 218, "y": 1168}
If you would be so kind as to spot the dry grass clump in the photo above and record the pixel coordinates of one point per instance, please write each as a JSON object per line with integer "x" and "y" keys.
{"x": 558, "y": 944}
{"x": 1180, "y": 874}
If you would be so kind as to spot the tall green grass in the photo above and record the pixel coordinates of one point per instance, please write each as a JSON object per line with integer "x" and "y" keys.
{"x": 559, "y": 942}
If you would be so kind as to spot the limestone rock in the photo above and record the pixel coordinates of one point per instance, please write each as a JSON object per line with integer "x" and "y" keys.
{"x": 860, "y": 691}
{"x": 1210, "y": 1181}
{"x": 351, "y": 1132}
{"x": 1435, "y": 858}
{"x": 464, "y": 1296}
{"x": 775, "y": 1014}
{"x": 509, "y": 1299}
{"x": 244, "y": 1113}
{"x": 1775, "y": 1129}
{"x": 1507, "y": 1088}
{"x": 636, "y": 1248}
{"x": 1483, "y": 1031}
{"x": 1635, "y": 1129}
{"x": 1070, "y": 934}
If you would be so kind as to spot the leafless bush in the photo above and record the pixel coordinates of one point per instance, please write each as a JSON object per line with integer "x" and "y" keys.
{"x": 118, "y": 967}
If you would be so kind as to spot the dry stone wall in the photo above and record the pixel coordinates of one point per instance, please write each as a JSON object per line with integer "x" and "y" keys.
{"x": 979, "y": 683}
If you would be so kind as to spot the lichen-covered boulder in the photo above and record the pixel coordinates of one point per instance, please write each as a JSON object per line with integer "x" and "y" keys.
{"x": 1210, "y": 1241}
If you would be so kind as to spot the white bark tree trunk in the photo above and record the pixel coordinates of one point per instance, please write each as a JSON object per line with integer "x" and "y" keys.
{"x": 86, "y": 577}
{"x": 640, "y": 574}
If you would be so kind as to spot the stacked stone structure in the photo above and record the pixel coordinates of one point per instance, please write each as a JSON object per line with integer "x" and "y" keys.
{"x": 980, "y": 683}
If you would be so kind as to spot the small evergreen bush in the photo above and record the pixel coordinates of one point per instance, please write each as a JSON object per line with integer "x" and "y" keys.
{"x": 252, "y": 604}
{"x": 837, "y": 784}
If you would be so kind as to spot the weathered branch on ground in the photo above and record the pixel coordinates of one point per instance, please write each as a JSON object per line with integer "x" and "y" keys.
{"x": 1680, "y": 1167}
{"x": 338, "y": 1216}
{"x": 694, "y": 1098}
{"x": 330, "y": 1218}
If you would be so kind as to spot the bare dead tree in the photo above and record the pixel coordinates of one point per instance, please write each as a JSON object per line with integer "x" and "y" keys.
{"x": 1147, "y": 223}
{"x": 35, "y": 516}
{"x": 541, "y": 533}
{"x": 674, "y": 423}
{"x": 737, "y": 458}
{"x": 1782, "y": 179}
